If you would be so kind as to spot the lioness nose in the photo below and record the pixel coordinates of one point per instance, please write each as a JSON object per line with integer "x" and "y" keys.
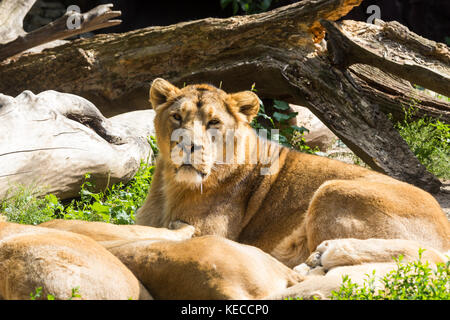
{"x": 195, "y": 147}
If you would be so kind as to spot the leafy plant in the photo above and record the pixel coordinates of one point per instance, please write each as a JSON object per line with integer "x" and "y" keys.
{"x": 117, "y": 204}
{"x": 75, "y": 293}
{"x": 290, "y": 136}
{"x": 24, "y": 206}
{"x": 411, "y": 281}
{"x": 247, "y": 6}
{"x": 429, "y": 140}
{"x": 38, "y": 293}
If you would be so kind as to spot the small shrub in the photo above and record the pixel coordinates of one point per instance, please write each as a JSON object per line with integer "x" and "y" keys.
{"x": 411, "y": 281}
{"x": 290, "y": 136}
{"x": 429, "y": 140}
{"x": 247, "y": 6}
{"x": 23, "y": 206}
{"x": 117, "y": 204}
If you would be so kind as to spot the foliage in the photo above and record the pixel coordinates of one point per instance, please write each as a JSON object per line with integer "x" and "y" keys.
{"x": 290, "y": 136}
{"x": 117, "y": 204}
{"x": 26, "y": 208}
{"x": 38, "y": 294}
{"x": 429, "y": 139}
{"x": 447, "y": 41}
{"x": 411, "y": 281}
{"x": 432, "y": 93}
{"x": 247, "y": 6}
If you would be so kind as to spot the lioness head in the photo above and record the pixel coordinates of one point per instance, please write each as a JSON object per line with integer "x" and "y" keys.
{"x": 192, "y": 125}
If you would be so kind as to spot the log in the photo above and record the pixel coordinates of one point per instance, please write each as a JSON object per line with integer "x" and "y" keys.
{"x": 53, "y": 139}
{"x": 97, "y": 18}
{"x": 391, "y": 47}
{"x": 12, "y": 13}
{"x": 282, "y": 51}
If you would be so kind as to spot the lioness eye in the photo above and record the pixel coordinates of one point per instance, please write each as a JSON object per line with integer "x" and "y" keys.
{"x": 176, "y": 116}
{"x": 213, "y": 122}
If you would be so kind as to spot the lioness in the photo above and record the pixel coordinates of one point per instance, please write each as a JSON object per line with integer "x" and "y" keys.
{"x": 286, "y": 206}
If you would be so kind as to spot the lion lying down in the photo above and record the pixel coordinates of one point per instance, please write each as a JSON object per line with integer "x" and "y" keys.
{"x": 171, "y": 265}
{"x": 225, "y": 180}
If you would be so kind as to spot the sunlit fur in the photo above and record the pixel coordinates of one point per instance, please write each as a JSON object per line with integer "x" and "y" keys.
{"x": 307, "y": 199}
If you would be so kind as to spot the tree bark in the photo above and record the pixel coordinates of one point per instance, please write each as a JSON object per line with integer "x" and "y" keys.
{"x": 16, "y": 40}
{"x": 393, "y": 48}
{"x": 281, "y": 51}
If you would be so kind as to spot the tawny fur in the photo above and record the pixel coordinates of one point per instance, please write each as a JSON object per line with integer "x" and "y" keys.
{"x": 172, "y": 266}
{"x": 207, "y": 267}
{"x": 307, "y": 199}
{"x": 333, "y": 259}
{"x": 59, "y": 261}
{"x": 102, "y": 231}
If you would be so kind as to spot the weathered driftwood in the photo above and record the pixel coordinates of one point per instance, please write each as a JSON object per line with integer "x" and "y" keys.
{"x": 279, "y": 50}
{"x": 13, "y": 39}
{"x": 12, "y": 13}
{"x": 53, "y": 139}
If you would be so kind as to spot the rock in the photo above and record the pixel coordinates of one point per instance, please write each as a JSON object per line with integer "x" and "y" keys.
{"x": 140, "y": 122}
{"x": 59, "y": 261}
{"x": 53, "y": 139}
{"x": 319, "y": 135}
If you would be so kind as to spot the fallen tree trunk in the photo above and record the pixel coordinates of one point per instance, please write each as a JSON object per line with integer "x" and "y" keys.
{"x": 392, "y": 48}
{"x": 13, "y": 39}
{"x": 279, "y": 50}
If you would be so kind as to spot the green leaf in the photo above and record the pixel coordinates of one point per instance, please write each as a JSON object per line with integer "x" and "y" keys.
{"x": 280, "y": 117}
{"x": 300, "y": 129}
{"x": 98, "y": 207}
{"x": 280, "y": 105}
{"x": 265, "y": 116}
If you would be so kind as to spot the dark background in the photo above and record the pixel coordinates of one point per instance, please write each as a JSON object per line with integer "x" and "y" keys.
{"x": 428, "y": 18}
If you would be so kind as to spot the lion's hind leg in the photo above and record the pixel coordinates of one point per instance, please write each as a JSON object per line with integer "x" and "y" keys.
{"x": 365, "y": 208}
{"x": 346, "y": 252}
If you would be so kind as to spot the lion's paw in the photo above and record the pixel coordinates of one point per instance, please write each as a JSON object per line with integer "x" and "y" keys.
{"x": 330, "y": 253}
{"x": 183, "y": 227}
{"x": 304, "y": 270}
{"x": 339, "y": 252}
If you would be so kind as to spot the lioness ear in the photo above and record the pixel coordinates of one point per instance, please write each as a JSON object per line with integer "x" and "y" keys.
{"x": 160, "y": 91}
{"x": 246, "y": 103}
